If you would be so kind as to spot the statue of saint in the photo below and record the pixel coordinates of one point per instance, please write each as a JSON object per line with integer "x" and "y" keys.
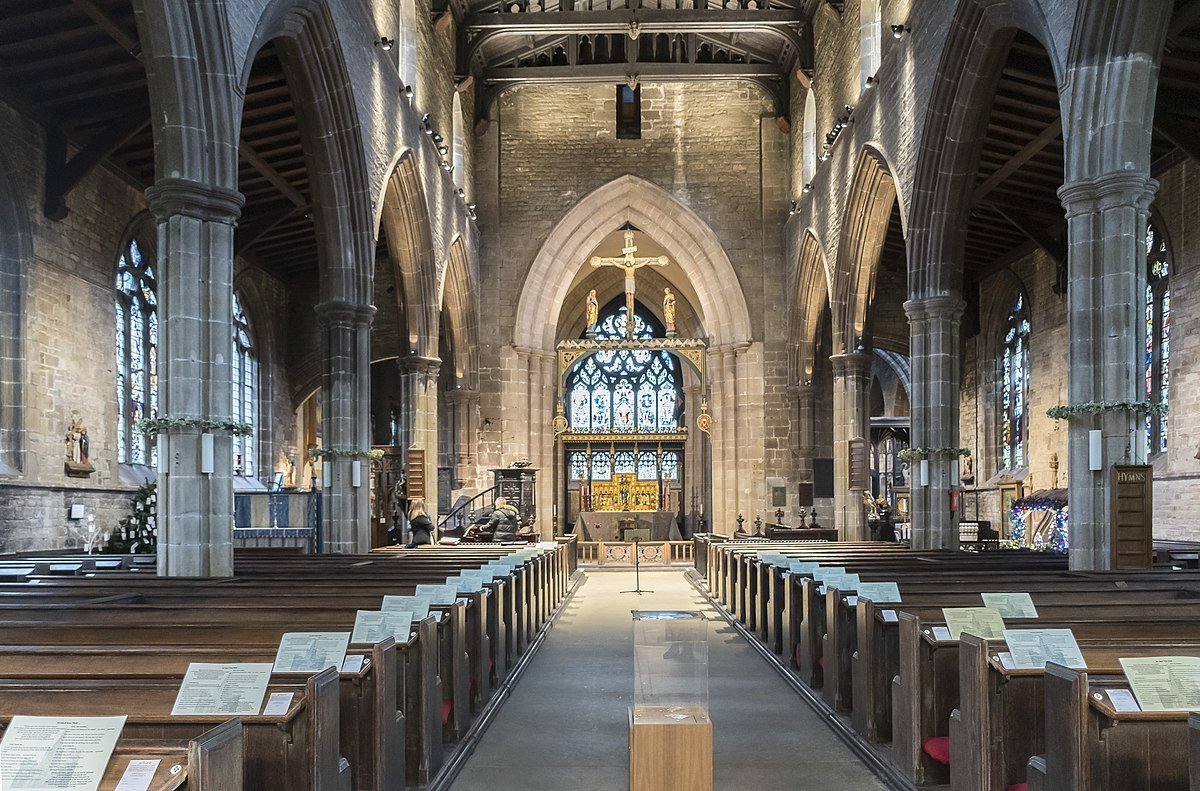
{"x": 669, "y": 310}
{"x": 77, "y": 447}
{"x": 593, "y": 310}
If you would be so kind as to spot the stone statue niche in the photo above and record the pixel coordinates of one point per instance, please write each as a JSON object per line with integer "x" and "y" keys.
{"x": 77, "y": 463}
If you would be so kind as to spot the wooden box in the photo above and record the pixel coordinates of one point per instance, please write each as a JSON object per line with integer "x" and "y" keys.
{"x": 669, "y": 753}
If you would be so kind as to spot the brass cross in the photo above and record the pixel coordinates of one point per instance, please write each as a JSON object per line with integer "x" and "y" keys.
{"x": 630, "y": 263}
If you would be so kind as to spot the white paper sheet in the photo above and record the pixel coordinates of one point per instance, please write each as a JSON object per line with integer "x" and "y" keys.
{"x": 1011, "y": 604}
{"x": 889, "y": 616}
{"x": 278, "y": 704}
{"x": 138, "y": 774}
{"x": 222, "y": 689}
{"x": 374, "y": 626}
{"x": 353, "y": 663}
{"x": 311, "y": 652}
{"x": 880, "y": 592}
{"x": 418, "y": 605}
{"x": 1031, "y": 649}
{"x": 439, "y": 594}
{"x": 1164, "y": 683}
{"x": 941, "y": 633}
{"x": 57, "y": 753}
{"x": 980, "y": 621}
{"x": 1122, "y": 700}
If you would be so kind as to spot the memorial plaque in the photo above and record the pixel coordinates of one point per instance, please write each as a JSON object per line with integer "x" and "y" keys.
{"x": 233, "y": 689}
{"x": 1132, "y": 516}
{"x": 57, "y": 753}
{"x": 804, "y": 495}
{"x": 311, "y": 652}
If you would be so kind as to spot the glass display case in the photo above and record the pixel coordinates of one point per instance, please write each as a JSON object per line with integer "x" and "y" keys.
{"x": 670, "y": 666}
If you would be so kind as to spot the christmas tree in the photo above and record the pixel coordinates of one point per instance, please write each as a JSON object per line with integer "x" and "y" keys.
{"x": 137, "y": 534}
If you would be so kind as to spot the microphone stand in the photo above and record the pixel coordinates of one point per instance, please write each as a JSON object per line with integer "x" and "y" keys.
{"x": 637, "y": 570}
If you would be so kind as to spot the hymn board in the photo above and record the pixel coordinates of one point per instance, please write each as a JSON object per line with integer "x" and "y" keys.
{"x": 620, "y": 414}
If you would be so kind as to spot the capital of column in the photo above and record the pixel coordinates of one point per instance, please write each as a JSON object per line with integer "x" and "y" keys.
{"x": 172, "y": 197}
{"x": 801, "y": 392}
{"x": 420, "y": 365}
{"x": 1106, "y": 191}
{"x": 850, "y": 364}
{"x": 337, "y": 311}
{"x": 940, "y": 306}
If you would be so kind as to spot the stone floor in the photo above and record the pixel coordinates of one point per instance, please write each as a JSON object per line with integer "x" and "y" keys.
{"x": 564, "y": 727}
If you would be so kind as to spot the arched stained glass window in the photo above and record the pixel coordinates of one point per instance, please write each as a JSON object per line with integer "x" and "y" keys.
{"x": 577, "y": 463}
{"x": 626, "y": 391}
{"x": 1158, "y": 334}
{"x": 602, "y": 466}
{"x": 670, "y": 466}
{"x": 137, "y": 354}
{"x": 647, "y": 466}
{"x": 245, "y": 387}
{"x": 1014, "y": 386}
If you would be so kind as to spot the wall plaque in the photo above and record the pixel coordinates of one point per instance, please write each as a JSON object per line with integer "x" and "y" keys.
{"x": 414, "y": 473}
{"x": 860, "y": 464}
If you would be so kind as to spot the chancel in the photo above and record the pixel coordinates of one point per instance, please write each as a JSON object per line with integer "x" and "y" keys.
{"x": 646, "y": 395}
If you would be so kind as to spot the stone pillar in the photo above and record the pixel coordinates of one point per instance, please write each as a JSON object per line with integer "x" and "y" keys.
{"x": 725, "y": 509}
{"x": 804, "y": 450}
{"x": 346, "y": 424}
{"x": 543, "y": 447}
{"x": 693, "y": 449}
{"x": 195, "y": 268}
{"x": 420, "y": 375}
{"x": 747, "y": 444}
{"x": 1106, "y": 227}
{"x": 934, "y": 343}
{"x": 851, "y": 382}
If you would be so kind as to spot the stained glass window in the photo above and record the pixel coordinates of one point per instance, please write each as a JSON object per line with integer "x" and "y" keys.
{"x": 623, "y": 463}
{"x": 627, "y": 391}
{"x": 245, "y": 385}
{"x": 136, "y": 327}
{"x": 1014, "y": 386}
{"x": 601, "y": 466}
{"x": 670, "y": 466}
{"x": 647, "y": 466}
{"x": 578, "y": 465}
{"x": 1158, "y": 334}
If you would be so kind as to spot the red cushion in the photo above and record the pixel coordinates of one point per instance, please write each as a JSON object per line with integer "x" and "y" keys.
{"x": 445, "y": 711}
{"x": 821, "y": 662}
{"x": 1019, "y": 787}
{"x": 491, "y": 664}
{"x": 938, "y": 748}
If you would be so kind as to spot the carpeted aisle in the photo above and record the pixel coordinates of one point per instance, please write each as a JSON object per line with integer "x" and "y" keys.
{"x": 565, "y": 727}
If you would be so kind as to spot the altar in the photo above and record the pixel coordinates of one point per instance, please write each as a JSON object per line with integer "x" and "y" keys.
{"x": 647, "y": 525}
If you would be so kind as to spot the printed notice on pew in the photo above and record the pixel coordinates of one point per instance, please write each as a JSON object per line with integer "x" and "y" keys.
{"x": 311, "y": 652}
{"x": 1164, "y": 683}
{"x": 222, "y": 689}
{"x": 1031, "y": 649}
{"x": 57, "y": 753}
{"x": 980, "y": 621}
{"x": 1011, "y": 605}
{"x": 375, "y": 627}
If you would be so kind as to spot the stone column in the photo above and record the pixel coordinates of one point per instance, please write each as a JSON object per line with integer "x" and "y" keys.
{"x": 693, "y": 449}
{"x": 195, "y": 267}
{"x": 804, "y": 450}
{"x": 420, "y": 375}
{"x": 725, "y": 509}
{"x": 1106, "y": 227}
{"x": 934, "y": 343}
{"x": 346, "y": 424}
{"x": 543, "y": 448}
{"x": 851, "y": 382}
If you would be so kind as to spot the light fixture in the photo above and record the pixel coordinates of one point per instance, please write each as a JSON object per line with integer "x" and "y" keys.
{"x": 460, "y": 192}
{"x": 870, "y": 82}
{"x": 898, "y": 31}
{"x": 437, "y": 138}
{"x": 385, "y": 43}
{"x": 808, "y": 187}
{"x": 792, "y": 208}
{"x": 408, "y": 91}
{"x": 825, "y": 156}
{"x": 849, "y": 109}
{"x": 443, "y": 150}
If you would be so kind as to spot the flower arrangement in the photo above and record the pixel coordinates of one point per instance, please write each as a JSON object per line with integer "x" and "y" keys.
{"x": 161, "y": 425}
{"x": 1066, "y": 411}
{"x": 344, "y": 453}
{"x": 913, "y": 454}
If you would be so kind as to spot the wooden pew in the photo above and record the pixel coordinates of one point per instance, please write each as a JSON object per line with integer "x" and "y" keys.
{"x": 297, "y": 750}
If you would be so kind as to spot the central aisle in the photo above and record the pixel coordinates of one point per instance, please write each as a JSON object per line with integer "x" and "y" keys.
{"x": 564, "y": 728}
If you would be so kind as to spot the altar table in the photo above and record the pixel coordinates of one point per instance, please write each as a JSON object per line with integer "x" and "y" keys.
{"x": 604, "y": 525}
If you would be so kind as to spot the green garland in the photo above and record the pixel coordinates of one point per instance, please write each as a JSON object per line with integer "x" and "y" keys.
{"x": 912, "y": 454}
{"x": 161, "y": 425}
{"x": 1066, "y": 411}
{"x": 344, "y": 453}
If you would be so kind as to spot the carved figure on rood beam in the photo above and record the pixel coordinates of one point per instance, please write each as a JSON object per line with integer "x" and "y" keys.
{"x": 630, "y": 263}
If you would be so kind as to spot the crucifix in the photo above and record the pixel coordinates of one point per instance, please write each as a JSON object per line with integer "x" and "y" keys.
{"x": 630, "y": 263}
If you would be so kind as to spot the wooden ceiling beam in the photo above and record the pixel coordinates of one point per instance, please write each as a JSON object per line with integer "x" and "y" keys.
{"x": 62, "y": 175}
{"x": 128, "y": 41}
{"x": 1036, "y": 234}
{"x": 1179, "y": 135}
{"x": 247, "y": 152}
{"x": 1049, "y": 134}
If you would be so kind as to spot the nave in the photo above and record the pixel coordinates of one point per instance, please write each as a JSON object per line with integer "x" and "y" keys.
{"x": 565, "y": 724}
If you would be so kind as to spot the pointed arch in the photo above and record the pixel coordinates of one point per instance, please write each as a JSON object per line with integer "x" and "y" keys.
{"x": 16, "y": 249}
{"x": 811, "y": 296}
{"x": 864, "y": 229}
{"x": 315, "y": 67}
{"x": 405, "y": 222}
{"x": 461, "y": 307}
{"x": 692, "y": 245}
